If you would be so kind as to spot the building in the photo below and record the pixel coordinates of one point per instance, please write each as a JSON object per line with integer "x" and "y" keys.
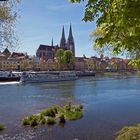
{"x": 46, "y": 52}
{"x": 15, "y": 61}
{"x": 69, "y": 45}
{"x": 81, "y": 64}
{"x": 49, "y": 51}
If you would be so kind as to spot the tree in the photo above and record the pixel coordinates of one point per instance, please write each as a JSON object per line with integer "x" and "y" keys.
{"x": 59, "y": 56}
{"x": 68, "y": 59}
{"x": 64, "y": 58}
{"x": 91, "y": 63}
{"x": 135, "y": 62}
{"x": 8, "y": 16}
{"x": 119, "y": 21}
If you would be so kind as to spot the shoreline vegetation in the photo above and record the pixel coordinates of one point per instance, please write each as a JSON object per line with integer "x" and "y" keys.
{"x": 55, "y": 114}
{"x": 117, "y": 73}
{"x": 2, "y": 127}
{"x": 114, "y": 73}
{"x": 129, "y": 133}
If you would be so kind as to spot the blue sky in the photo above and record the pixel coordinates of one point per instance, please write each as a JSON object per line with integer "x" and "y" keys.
{"x": 42, "y": 20}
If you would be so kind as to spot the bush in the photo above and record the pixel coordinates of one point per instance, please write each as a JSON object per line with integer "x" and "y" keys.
{"x": 32, "y": 121}
{"x": 48, "y": 112}
{"x": 42, "y": 119}
{"x": 49, "y": 116}
{"x": 62, "y": 119}
{"x": 55, "y": 109}
{"x": 67, "y": 107}
{"x": 129, "y": 133}
{"x": 70, "y": 115}
{"x": 81, "y": 106}
{"x": 26, "y": 121}
{"x": 2, "y": 127}
{"x": 50, "y": 121}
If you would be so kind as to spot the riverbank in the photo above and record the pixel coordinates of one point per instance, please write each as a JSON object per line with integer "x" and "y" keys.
{"x": 114, "y": 73}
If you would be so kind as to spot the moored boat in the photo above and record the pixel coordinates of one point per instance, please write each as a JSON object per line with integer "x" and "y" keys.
{"x": 38, "y": 77}
{"x": 85, "y": 73}
{"x": 8, "y": 76}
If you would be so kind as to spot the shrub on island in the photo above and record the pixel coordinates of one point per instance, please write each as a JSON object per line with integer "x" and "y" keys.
{"x": 55, "y": 114}
{"x": 32, "y": 121}
{"x": 2, "y": 127}
{"x": 50, "y": 121}
{"x": 48, "y": 112}
{"x": 62, "y": 118}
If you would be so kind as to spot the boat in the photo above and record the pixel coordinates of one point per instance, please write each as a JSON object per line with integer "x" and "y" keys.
{"x": 38, "y": 77}
{"x": 85, "y": 73}
{"x": 8, "y": 76}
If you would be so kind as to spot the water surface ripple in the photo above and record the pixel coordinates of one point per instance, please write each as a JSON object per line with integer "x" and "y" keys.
{"x": 109, "y": 103}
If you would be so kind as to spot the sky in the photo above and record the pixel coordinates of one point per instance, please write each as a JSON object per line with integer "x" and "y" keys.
{"x": 42, "y": 20}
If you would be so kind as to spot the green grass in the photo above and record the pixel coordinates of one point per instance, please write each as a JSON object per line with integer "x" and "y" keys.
{"x": 31, "y": 121}
{"x": 112, "y": 73}
{"x": 49, "y": 112}
{"x": 26, "y": 121}
{"x": 129, "y": 133}
{"x": 50, "y": 121}
{"x": 73, "y": 115}
{"x": 55, "y": 114}
{"x": 2, "y": 127}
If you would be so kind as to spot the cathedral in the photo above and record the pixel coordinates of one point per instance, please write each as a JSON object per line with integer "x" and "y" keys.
{"x": 48, "y": 51}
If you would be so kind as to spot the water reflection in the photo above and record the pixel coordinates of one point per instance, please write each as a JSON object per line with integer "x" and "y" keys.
{"x": 109, "y": 103}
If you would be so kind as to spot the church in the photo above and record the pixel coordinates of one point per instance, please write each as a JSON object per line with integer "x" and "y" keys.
{"x": 48, "y": 51}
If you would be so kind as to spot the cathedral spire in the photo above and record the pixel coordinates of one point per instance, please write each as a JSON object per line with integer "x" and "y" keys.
{"x": 70, "y": 33}
{"x": 63, "y": 32}
{"x": 63, "y": 40}
{"x": 52, "y": 42}
{"x": 70, "y": 41}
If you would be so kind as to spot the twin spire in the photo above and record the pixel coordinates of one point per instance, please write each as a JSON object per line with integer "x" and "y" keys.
{"x": 69, "y": 45}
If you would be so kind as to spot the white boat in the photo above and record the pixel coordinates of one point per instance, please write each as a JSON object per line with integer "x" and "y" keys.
{"x": 38, "y": 77}
{"x": 8, "y": 76}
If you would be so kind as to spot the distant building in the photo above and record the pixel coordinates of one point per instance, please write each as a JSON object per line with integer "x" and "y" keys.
{"x": 81, "y": 64}
{"x": 46, "y": 52}
{"x": 15, "y": 61}
{"x": 6, "y": 53}
{"x": 49, "y": 51}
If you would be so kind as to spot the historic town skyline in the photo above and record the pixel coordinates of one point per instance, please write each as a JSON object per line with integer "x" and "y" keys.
{"x": 45, "y": 22}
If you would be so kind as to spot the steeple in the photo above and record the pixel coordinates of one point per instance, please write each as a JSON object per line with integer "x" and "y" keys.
{"x": 52, "y": 42}
{"x": 70, "y": 41}
{"x": 63, "y": 40}
{"x": 70, "y": 33}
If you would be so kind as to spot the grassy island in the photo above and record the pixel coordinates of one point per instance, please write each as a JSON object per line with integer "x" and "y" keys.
{"x": 2, "y": 127}
{"x": 55, "y": 114}
{"x": 129, "y": 133}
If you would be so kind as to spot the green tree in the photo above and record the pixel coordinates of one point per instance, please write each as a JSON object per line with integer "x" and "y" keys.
{"x": 135, "y": 62}
{"x": 68, "y": 59}
{"x": 118, "y": 20}
{"x": 8, "y": 16}
{"x": 59, "y": 56}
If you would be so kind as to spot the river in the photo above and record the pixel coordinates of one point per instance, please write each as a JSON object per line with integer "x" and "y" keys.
{"x": 109, "y": 104}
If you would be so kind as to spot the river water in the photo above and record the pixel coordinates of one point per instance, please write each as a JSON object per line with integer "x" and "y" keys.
{"x": 109, "y": 104}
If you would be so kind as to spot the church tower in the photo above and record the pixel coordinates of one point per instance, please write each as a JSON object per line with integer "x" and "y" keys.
{"x": 70, "y": 41}
{"x": 63, "y": 40}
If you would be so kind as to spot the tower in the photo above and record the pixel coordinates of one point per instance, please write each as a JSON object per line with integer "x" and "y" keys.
{"x": 63, "y": 40}
{"x": 70, "y": 41}
{"x": 52, "y": 42}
